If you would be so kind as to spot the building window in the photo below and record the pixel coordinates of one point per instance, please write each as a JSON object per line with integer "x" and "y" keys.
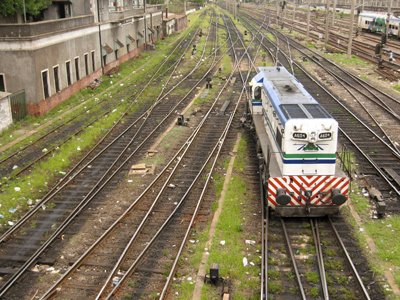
{"x": 56, "y": 79}
{"x": 77, "y": 68}
{"x": 68, "y": 69}
{"x": 104, "y": 60}
{"x": 87, "y": 64}
{"x": 45, "y": 81}
{"x": 116, "y": 5}
{"x": 93, "y": 62}
{"x": 116, "y": 53}
{"x": 2, "y": 83}
{"x": 127, "y": 48}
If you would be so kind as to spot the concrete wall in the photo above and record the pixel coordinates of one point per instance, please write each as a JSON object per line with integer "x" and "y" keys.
{"x": 24, "y": 60}
{"x": 5, "y": 111}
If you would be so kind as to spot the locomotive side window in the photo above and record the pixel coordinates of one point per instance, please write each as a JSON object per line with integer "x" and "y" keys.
{"x": 279, "y": 138}
{"x": 257, "y": 93}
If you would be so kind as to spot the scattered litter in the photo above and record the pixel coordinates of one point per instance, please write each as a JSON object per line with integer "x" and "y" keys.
{"x": 361, "y": 230}
{"x": 116, "y": 280}
{"x": 172, "y": 186}
{"x": 1, "y": 217}
{"x": 44, "y": 207}
{"x": 12, "y": 210}
{"x": 249, "y": 242}
{"x": 10, "y": 223}
{"x": 29, "y": 202}
{"x": 244, "y": 261}
{"x": 35, "y": 269}
{"x": 121, "y": 84}
{"x": 79, "y": 148}
{"x": 388, "y": 226}
{"x": 62, "y": 173}
{"x": 252, "y": 263}
{"x": 45, "y": 150}
{"x": 192, "y": 241}
{"x": 130, "y": 180}
{"x": 17, "y": 189}
{"x": 114, "y": 110}
{"x": 222, "y": 243}
{"x": 15, "y": 167}
{"x": 51, "y": 269}
{"x": 189, "y": 278}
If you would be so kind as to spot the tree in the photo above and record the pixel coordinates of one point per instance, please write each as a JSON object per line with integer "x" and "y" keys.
{"x": 32, "y": 7}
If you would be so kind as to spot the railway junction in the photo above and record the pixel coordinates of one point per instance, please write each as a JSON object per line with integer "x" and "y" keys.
{"x": 148, "y": 187}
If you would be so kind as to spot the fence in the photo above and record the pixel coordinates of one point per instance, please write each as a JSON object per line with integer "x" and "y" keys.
{"x": 18, "y": 105}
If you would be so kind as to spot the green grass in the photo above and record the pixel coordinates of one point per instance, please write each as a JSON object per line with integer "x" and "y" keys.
{"x": 385, "y": 234}
{"x": 274, "y": 275}
{"x": 314, "y": 292}
{"x": 229, "y": 228}
{"x": 312, "y": 277}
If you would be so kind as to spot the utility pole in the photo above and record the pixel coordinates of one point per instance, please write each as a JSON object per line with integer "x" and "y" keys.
{"x": 277, "y": 12}
{"x": 351, "y": 29}
{"x": 334, "y": 12}
{"x": 308, "y": 21}
{"x": 293, "y": 15}
{"x": 388, "y": 20}
{"x": 328, "y": 4}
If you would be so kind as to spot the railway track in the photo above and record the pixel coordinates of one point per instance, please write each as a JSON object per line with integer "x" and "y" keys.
{"x": 211, "y": 133}
{"x": 372, "y": 107}
{"x": 338, "y": 39}
{"x": 66, "y": 209}
{"x": 133, "y": 249}
{"x": 314, "y": 268}
{"x": 320, "y": 264}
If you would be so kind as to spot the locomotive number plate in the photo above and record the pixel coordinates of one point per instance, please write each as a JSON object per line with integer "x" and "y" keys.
{"x": 325, "y": 135}
{"x": 299, "y": 135}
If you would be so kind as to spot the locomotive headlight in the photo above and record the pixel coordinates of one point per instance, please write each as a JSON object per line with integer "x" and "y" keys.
{"x": 313, "y": 134}
{"x": 313, "y": 140}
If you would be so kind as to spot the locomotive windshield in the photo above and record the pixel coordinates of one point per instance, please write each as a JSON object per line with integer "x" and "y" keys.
{"x": 304, "y": 111}
{"x": 257, "y": 93}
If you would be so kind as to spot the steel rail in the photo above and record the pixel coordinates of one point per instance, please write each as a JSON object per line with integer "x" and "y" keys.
{"x": 108, "y": 231}
{"x": 13, "y": 176}
{"x": 303, "y": 295}
{"x": 320, "y": 258}
{"x": 128, "y": 246}
{"x": 359, "y": 279}
{"x": 73, "y": 118}
{"x": 218, "y": 145}
{"x": 50, "y": 132}
{"x": 70, "y": 218}
{"x": 72, "y": 174}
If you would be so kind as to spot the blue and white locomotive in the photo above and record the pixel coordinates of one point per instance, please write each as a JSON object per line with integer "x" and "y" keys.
{"x": 298, "y": 141}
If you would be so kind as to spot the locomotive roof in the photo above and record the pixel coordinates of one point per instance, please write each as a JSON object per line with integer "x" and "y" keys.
{"x": 288, "y": 96}
{"x": 376, "y": 15}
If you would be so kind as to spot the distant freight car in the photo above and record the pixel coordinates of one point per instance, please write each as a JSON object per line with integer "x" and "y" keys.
{"x": 297, "y": 141}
